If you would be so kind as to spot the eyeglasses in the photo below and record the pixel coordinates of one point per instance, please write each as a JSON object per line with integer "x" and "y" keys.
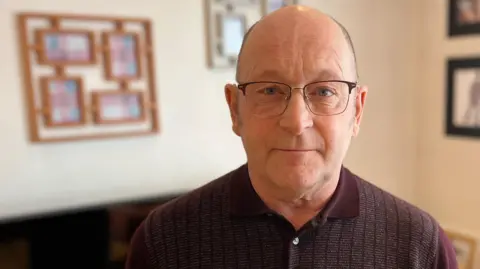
{"x": 323, "y": 98}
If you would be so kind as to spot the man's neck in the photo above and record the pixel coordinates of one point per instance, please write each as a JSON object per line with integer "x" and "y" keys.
{"x": 297, "y": 208}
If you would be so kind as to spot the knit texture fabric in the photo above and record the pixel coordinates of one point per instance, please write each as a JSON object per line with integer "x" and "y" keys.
{"x": 198, "y": 231}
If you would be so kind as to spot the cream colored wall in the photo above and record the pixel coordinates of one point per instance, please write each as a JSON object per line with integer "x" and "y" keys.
{"x": 385, "y": 34}
{"x": 448, "y": 179}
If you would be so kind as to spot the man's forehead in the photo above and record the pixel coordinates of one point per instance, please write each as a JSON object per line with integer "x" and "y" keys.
{"x": 321, "y": 50}
{"x": 318, "y": 64}
{"x": 296, "y": 36}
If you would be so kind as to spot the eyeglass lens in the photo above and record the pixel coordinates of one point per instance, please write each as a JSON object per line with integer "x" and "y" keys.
{"x": 322, "y": 98}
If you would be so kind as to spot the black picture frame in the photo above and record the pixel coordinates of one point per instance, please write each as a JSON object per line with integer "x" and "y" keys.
{"x": 464, "y": 71}
{"x": 455, "y": 26}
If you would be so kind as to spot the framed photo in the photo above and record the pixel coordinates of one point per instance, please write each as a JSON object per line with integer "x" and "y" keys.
{"x": 269, "y": 6}
{"x": 65, "y": 47}
{"x": 231, "y": 29}
{"x": 464, "y": 17}
{"x": 63, "y": 101}
{"x": 226, "y": 23}
{"x": 463, "y": 97}
{"x": 122, "y": 56}
{"x": 118, "y": 107}
{"x": 465, "y": 249}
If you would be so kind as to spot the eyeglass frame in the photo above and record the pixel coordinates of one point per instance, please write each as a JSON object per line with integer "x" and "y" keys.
{"x": 351, "y": 85}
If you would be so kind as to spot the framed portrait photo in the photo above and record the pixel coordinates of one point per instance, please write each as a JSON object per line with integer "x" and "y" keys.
{"x": 122, "y": 56}
{"x": 464, "y": 17}
{"x": 115, "y": 107}
{"x": 231, "y": 28}
{"x": 226, "y": 23}
{"x": 463, "y": 97}
{"x": 65, "y": 47}
{"x": 63, "y": 101}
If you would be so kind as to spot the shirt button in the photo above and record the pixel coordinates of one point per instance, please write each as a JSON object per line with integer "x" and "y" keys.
{"x": 296, "y": 241}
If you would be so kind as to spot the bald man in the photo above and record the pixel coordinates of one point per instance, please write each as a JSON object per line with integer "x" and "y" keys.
{"x": 296, "y": 107}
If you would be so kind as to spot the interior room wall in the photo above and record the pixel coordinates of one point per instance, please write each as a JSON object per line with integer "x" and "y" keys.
{"x": 448, "y": 178}
{"x": 386, "y": 45}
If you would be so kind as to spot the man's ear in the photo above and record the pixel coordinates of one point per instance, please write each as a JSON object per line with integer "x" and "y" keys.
{"x": 231, "y": 95}
{"x": 360, "y": 98}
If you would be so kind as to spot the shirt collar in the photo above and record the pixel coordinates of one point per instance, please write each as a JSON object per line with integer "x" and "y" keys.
{"x": 344, "y": 203}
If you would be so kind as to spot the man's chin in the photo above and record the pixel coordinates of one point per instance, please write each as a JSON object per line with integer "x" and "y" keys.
{"x": 304, "y": 168}
{"x": 296, "y": 158}
{"x": 296, "y": 177}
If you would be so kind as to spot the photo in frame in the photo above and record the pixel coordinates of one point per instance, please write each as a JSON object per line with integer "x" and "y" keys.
{"x": 65, "y": 47}
{"x": 269, "y": 6}
{"x": 226, "y": 23}
{"x": 118, "y": 107}
{"x": 463, "y": 97}
{"x": 231, "y": 28}
{"x": 464, "y": 17}
{"x": 122, "y": 56}
{"x": 465, "y": 248}
{"x": 63, "y": 101}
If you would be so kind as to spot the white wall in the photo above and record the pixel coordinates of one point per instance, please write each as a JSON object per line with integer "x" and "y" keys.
{"x": 196, "y": 143}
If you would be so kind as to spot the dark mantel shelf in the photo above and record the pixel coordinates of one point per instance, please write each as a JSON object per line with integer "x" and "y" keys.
{"x": 91, "y": 237}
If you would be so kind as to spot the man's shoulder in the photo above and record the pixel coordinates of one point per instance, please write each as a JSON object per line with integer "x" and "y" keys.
{"x": 189, "y": 204}
{"x": 413, "y": 229}
{"x": 172, "y": 219}
{"x": 377, "y": 200}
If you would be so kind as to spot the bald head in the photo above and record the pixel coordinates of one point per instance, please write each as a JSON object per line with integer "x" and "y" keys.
{"x": 315, "y": 20}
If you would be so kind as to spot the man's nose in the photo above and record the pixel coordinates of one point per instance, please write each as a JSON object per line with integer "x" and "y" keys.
{"x": 297, "y": 117}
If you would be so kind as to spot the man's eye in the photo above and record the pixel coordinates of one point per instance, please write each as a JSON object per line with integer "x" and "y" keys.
{"x": 326, "y": 92}
{"x": 270, "y": 90}
{"x": 323, "y": 92}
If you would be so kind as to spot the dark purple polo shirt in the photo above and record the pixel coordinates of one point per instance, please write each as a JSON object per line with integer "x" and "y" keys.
{"x": 244, "y": 203}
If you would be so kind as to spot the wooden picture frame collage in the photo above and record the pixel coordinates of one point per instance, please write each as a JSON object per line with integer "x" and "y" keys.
{"x": 61, "y": 107}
